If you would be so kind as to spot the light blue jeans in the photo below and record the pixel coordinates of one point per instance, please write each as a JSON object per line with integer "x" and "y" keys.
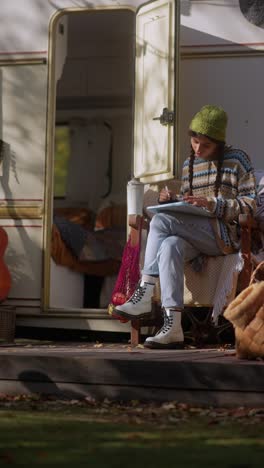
{"x": 172, "y": 241}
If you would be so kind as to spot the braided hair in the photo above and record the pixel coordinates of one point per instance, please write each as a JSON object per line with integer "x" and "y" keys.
{"x": 220, "y": 157}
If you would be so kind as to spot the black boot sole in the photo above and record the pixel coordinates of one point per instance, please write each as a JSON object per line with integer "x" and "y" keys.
{"x": 132, "y": 317}
{"x": 154, "y": 345}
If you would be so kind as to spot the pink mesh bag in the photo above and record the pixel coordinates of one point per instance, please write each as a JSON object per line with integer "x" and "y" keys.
{"x": 127, "y": 279}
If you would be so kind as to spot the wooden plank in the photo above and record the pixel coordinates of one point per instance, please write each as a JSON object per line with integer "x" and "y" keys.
{"x": 125, "y": 370}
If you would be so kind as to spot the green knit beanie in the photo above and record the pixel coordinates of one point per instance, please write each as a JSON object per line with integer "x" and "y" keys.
{"x": 210, "y": 121}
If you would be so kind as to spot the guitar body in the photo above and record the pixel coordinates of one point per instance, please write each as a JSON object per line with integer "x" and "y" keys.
{"x": 5, "y": 277}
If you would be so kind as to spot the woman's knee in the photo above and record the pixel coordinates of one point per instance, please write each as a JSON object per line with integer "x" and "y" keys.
{"x": 159, "y": 222}
{"x": 173, "y": 245}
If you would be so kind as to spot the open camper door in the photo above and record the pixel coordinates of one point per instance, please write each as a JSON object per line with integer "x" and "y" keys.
{"x": 157, "y": 27}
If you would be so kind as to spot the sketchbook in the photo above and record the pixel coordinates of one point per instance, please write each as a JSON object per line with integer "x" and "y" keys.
{"x": 180, "y": 207}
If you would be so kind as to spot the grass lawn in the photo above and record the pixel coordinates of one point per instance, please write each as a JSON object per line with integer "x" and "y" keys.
{"x": 106, "y": 435}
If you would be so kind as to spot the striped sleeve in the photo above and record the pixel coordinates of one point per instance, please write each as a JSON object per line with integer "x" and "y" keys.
{"x": 229, "y": 209}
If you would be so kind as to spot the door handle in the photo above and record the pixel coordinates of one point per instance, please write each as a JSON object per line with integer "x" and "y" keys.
{"x": 166, "y": 118}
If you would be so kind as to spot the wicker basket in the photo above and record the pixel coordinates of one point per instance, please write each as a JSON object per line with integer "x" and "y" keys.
{"x": 7, "y": 324}
{"x": 246, "y": 313}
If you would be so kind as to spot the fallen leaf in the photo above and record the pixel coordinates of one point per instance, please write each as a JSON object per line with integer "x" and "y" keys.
{"x": 168, "y": 406}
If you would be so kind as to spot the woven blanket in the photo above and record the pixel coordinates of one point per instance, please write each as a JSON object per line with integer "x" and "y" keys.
{"x": 215, "y": 285}
{"x": 87, "y": 245}
{"x": 62, "y": 255}
{"x": 74, "y": 235}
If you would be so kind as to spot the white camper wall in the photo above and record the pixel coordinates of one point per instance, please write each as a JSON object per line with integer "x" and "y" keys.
{"x": 236, "y": 86}
{"x": 25, "y": 24}
{"x": 210, "y": 34}
{"x": 220, "y": 22}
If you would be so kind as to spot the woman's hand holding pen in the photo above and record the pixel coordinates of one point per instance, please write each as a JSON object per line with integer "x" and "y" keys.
{"x": 166, "y": 195}
{"x": 197, "y": 201}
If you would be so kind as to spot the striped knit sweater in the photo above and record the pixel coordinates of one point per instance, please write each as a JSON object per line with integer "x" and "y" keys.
{"x": 236, "y": 194}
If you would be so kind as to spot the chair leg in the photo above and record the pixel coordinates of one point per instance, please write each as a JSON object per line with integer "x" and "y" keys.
{"x": 203, "y": 331}
{"x": 246, "y": 223}
{"x": 155, "y": 320}
{"x": 135, "y": 332}
{"x": 245, "y": 275}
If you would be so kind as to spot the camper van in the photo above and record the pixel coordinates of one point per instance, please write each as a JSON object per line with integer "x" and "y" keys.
{"x": 94, "y": 93}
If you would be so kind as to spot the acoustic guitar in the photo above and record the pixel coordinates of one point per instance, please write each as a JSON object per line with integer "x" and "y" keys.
{"x": 5, "y": 277}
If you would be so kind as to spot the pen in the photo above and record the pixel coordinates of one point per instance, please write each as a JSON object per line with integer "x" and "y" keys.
{"x": 167, "y": 190}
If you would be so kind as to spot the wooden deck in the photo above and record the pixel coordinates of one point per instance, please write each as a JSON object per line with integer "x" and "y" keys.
{"x": 119, "y": 372}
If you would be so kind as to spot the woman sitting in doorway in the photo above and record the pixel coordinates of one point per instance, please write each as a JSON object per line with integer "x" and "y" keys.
{"x": 216, "y": 177}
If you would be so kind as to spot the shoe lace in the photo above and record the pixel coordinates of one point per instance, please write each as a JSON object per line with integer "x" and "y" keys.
{"x": 138, "y": 294}
{"x": 166, "y": 325}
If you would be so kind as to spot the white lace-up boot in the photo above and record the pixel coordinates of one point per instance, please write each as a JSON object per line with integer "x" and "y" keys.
{"x": 170, "y": 336}
{"x": 139, "y": 305}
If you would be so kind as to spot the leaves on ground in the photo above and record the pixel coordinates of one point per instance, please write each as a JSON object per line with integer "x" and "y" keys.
{"x": 167, "y": 413}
